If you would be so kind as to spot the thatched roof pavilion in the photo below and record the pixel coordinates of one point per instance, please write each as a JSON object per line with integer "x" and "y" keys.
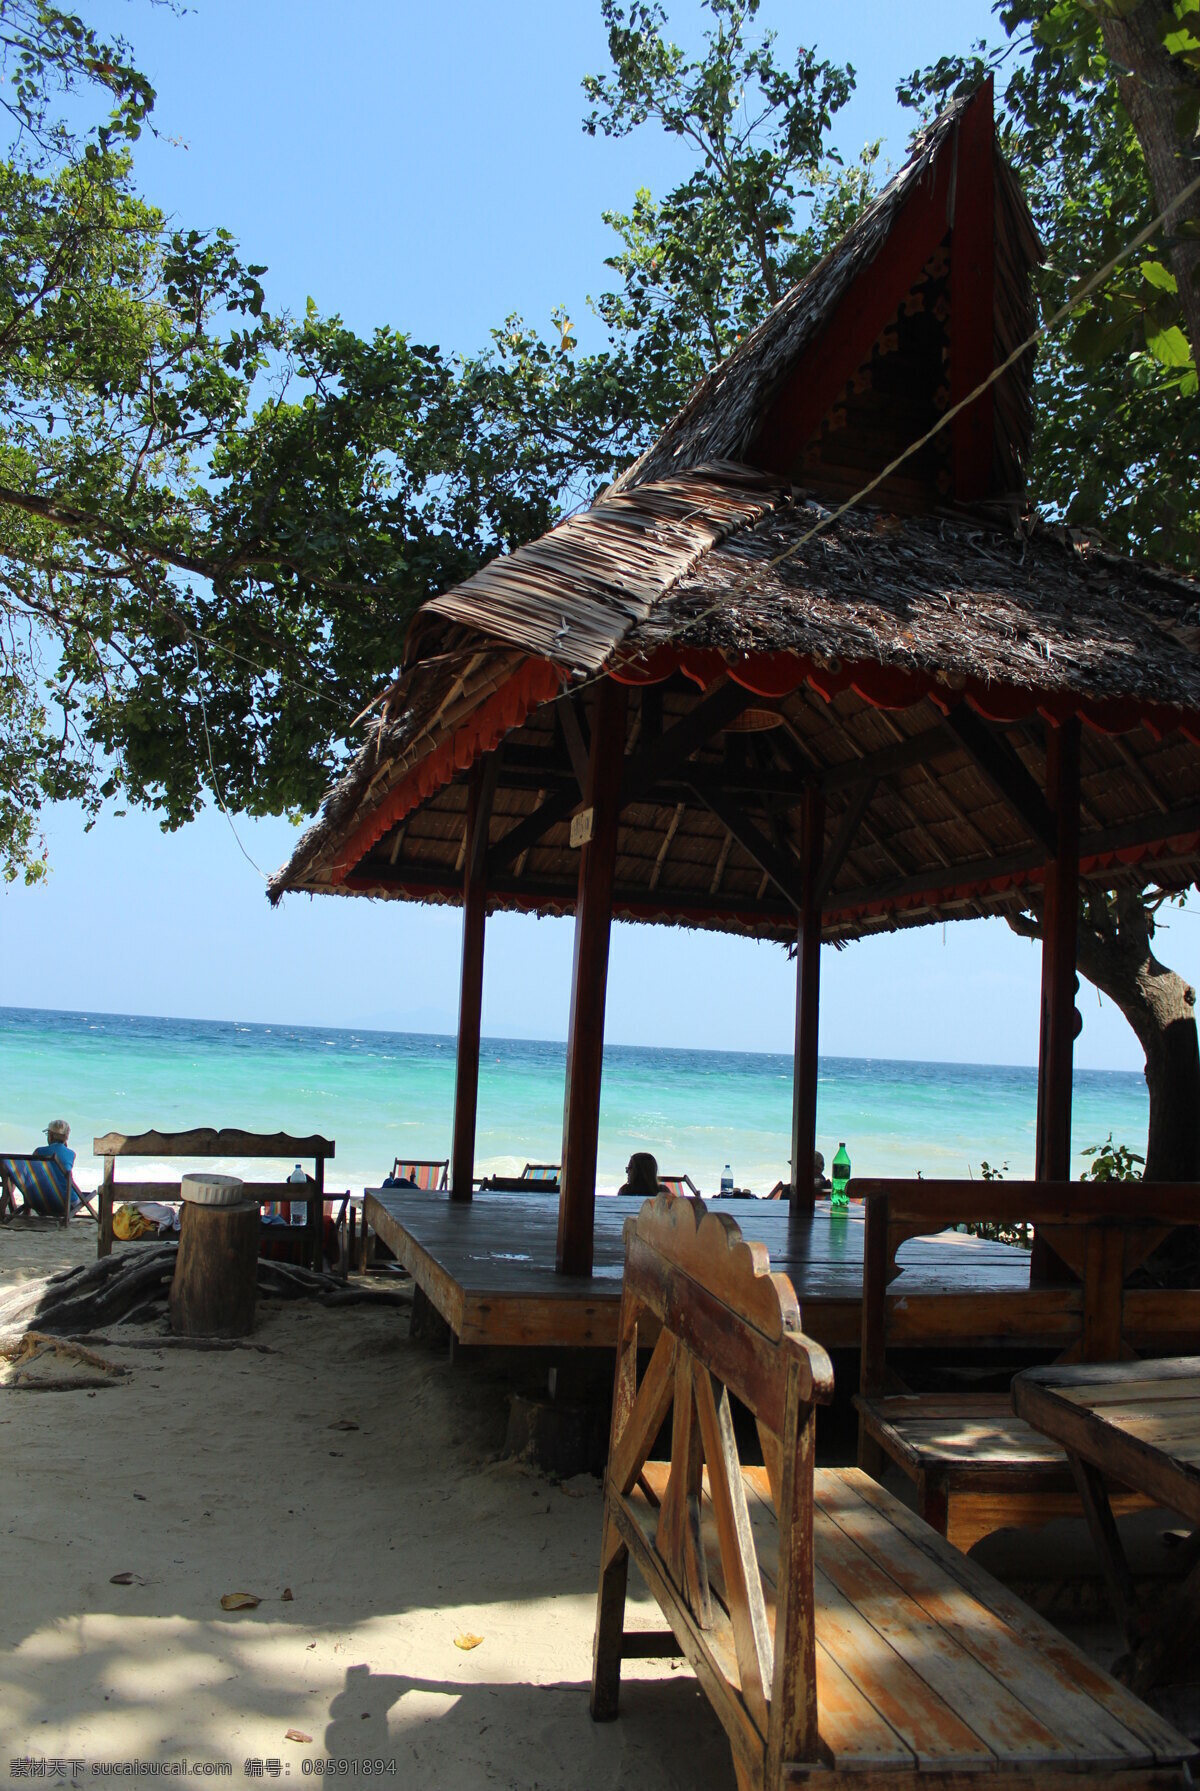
{"x": 705, "y": 702}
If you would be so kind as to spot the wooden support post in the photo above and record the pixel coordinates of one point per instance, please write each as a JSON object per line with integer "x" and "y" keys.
{"x": 1060, "y": 922}
{"x": 808, "y": 996}
{"x": 589, "y": 981}
{"x": 104, "y": 1242}
{"x": 470, "y": 992}
{"x": 315, "y": 1221}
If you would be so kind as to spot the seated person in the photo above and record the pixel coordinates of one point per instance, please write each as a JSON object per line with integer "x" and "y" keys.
{"x": 641, "y": 1175}
{"x": 821, "y": 1182}
{"x": 39, "y": 1197}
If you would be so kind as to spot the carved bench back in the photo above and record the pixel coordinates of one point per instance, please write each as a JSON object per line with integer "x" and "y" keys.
{"x": 725, "y": 1326}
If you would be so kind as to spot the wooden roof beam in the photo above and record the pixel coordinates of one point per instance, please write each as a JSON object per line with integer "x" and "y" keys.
{"x": 528, "y": 832}
{"x": 914, "y": 749}
{"x": 574, "y": 733}
{"x": 1001, "y": 767}
{"x": 843, "y": 839}
{"x": 783, "y": 867}
{"x": 664, "y": 755}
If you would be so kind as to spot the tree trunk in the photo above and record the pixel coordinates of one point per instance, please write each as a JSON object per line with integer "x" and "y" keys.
{"x": 1114, "y": 952}
{"x": 1161, "y": 1008}
{"x": 1150, "y": 87}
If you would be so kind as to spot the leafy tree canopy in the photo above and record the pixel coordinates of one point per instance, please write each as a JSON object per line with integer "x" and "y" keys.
{"x": 215, "y": 523}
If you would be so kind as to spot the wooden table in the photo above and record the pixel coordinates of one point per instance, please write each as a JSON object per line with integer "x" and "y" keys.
{"x": 1136, "y": 1423}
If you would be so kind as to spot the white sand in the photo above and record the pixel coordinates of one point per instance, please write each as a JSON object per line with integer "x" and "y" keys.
{"x": 210, "y": 1473}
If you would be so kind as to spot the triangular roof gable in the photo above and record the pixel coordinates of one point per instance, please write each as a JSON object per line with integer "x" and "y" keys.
{"x": 949, "y": 234}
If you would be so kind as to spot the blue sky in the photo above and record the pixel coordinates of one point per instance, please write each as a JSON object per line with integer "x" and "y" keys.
{"x": 424, "y": 166}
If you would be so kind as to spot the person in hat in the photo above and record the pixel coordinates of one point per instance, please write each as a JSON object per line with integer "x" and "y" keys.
{"x": 56, "y": 1150}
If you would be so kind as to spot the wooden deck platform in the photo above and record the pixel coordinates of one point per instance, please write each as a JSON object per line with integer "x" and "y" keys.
{"x": 488, "y": 1267}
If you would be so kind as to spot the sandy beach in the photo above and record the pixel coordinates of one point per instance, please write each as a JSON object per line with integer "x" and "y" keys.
{"x": 202, "y": 1474}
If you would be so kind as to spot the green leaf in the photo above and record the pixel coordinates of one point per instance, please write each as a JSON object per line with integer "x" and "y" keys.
{"x": 1170, "y": 346}
{"x": 1157, "y": 275}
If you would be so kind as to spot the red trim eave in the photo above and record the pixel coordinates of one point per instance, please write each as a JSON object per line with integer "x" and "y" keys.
{"x": 537, "y": 682}
{"x": 1179, "y": 846}
{"x": 777, "y": 675}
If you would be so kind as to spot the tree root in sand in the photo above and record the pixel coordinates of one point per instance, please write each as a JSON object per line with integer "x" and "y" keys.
{"x": 131, "y": 1288}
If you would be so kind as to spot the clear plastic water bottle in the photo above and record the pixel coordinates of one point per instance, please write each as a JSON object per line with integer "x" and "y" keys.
{"x": 727, "y": 1180}
{"x": 298, "y": 1211}
{"x": 839, "y": 1199}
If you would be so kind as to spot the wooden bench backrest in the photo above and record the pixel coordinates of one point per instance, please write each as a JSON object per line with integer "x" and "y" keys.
{"x": 725, "y": 1325}
{"x": 1100, "y": 1231}
{"x": 205, "y": 1141}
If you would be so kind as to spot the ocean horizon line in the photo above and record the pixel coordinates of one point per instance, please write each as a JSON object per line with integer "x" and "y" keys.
{"x": 558, "y": 1044}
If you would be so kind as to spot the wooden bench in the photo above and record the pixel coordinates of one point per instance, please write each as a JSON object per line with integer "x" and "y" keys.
{"x": 204, "y": 1143}
{"x": 839, "y": 1639}
{"x": 976, "y": 1465}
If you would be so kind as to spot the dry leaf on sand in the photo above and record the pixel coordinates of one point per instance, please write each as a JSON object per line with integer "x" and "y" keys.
{"x": 467, "y": 1642}
{"x": 126, "y": 1579}
{"x": 297, "y": 1735}
{"x": 239, "y": 1601}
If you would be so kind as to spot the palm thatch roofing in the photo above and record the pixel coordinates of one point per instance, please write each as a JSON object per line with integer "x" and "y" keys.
{"x": 907, "y": 656}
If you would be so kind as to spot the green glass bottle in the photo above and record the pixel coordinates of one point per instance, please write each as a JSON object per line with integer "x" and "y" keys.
{"x": 838, "y": 1199}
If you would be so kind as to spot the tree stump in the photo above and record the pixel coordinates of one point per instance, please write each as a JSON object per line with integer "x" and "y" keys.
{"x": 216, "y": 1271}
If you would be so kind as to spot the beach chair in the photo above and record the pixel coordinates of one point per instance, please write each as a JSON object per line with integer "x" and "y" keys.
{"x": 44, "y": 1186}
{"x": 429, "y": 1175}
{"x": 681, "y": 1185}
{"x": 535, "y": 1178}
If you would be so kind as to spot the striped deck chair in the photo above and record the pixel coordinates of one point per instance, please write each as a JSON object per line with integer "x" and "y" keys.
{"x": 680, "y": 1185}
{"x": 44, "y": 1186}
{"x": 429, "y": 1175}
{"x": 541, "y": 1172}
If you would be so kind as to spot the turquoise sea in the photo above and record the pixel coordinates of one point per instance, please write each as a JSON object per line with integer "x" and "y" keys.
{"x": 387, "y": 1094}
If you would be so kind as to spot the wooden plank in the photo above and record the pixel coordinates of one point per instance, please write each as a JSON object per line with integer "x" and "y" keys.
{"x": 1120, "y": 1720}
{"x": 1110, "y": 1378}
{"x": 204, "y": 1141}
{"x": 1112, "y": 1449}
{"x": 1109, "y": 1547}
{"x": 677, "y": 1531}
{"x": 938, "y": 1737}
{"x": 1160, "y": 1391}
{"x": 1103, "y": 1294}
{"x": 861, "y": 1568}
{"x": 744, "y": 1593}
{"x": 633, "y": 1440}
{"x": 964, "y": 1443}
{"x": 499, "y": 1255}
{"x": 793, "y": 1732}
